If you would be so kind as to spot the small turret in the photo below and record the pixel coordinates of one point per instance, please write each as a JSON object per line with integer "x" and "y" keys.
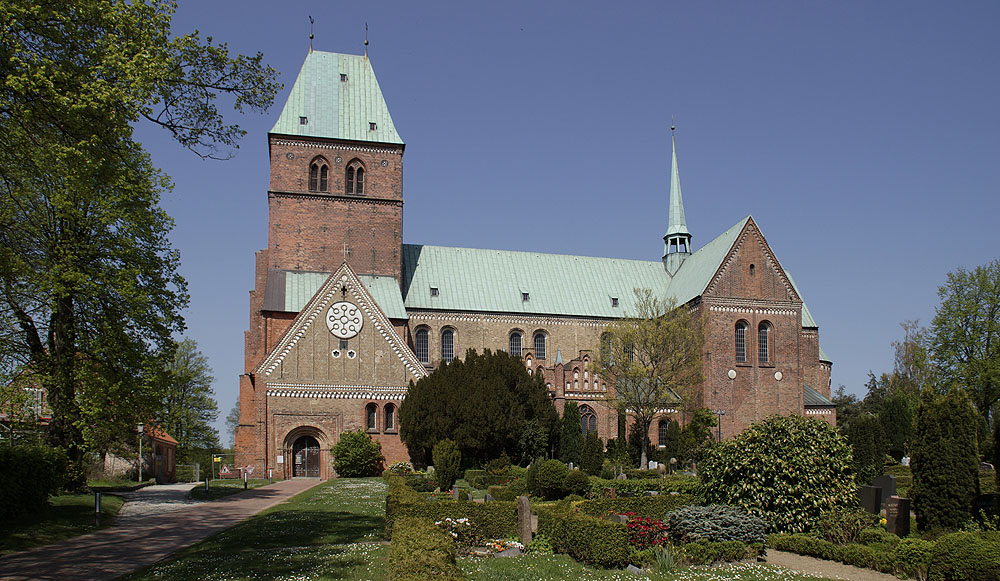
{"x": 677, "y": 240}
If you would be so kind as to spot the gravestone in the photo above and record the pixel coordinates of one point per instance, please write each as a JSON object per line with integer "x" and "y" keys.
{"x": 488, "y": 497}
{"x": 897, "y": 515}
{"x": 511, "y": 552}
{"x": 570, "y": 466}
{"x": 454, "y": 492}
{"x": 610, "y": 492}
{"x": 620, "y": 518}
{"x": 652, "y": 493}
{"x": 871, "y": 497}
{"x": 888, "y": 485}
{"x": 524, "y": 520}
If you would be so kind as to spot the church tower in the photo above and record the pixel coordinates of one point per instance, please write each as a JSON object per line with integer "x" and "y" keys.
{"x": 336, "y": 190}
{"x": 677, "y": 240}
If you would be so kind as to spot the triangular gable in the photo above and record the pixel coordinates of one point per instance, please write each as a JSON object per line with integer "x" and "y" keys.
{"x": 313, "y": 313}
{"x": 750, "y": 230}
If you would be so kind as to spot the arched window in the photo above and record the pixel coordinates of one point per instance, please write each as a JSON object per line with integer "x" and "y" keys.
{"x": 390, "y": 418}
{"x": 420, "y": 345}
{"x": 318, "y": 175}
{"x": 515, "y": 343}
{"x": 371, "y": 417}
{"x": 741, "y": 341}
{"x": 354, "y": 181}
{"x": 588, "y": 420}
{"x": 447, "y": 345}
{"x": 540, "y": 345}
{"x": 764, "y": 342}
{"x": 662, "y": 429}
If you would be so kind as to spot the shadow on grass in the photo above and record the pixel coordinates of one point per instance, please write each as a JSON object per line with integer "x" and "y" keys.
{"x": 294, "y": 528}
{"x": 68, "y": 516}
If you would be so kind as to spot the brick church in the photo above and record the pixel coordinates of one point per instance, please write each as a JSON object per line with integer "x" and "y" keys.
{"x": 343, "y": 314}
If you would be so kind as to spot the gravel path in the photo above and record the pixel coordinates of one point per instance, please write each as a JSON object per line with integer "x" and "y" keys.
{"x": 824, "y": 568}
{"x": 157, "y": 499}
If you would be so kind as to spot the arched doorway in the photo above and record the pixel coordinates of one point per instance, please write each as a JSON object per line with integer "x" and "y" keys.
{"x": 305, "y": 457}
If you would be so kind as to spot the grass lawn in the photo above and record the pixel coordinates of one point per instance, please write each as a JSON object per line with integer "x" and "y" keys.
{"x": 70, "y": 515}
{"x": 222, "y": 488}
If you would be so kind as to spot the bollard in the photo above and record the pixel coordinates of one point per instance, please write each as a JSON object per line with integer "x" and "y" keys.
{"x": 206, "y": 486}
{"x": 269, "y": 475}
{"x": 97, "y": 508}
{"x": 244, "y": 480}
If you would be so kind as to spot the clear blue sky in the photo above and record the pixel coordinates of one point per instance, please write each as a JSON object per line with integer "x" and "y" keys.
{"x": 864, "y": 138}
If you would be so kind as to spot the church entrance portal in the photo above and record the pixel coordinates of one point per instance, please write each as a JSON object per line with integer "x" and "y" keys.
{"x": 305, "y": 457}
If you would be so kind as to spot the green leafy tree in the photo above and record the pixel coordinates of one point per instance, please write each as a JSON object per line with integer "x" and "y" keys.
{"x": 356, "y": 454}
{"x": 786, "y": 469}
{"x": 945, "y": 460}
{"x": 867, "y": 440}
{"x": 447, "y": 463}
{"x": 896, "y": 417}
{"x": 672, "y": 446}
{"x": 652, "y": 358}
{"x": 571, "y": 437}
{"x": 696, "y": 436}
{"x": 848, "y": 406}
{"x": 189, "y": 408}
{"x": 233, "y": 422}
{"x": 592, "y": 456}
{"x": 485, "y": 403}
{"x": 965, "y": 337}
{"x": 87, "y": 275}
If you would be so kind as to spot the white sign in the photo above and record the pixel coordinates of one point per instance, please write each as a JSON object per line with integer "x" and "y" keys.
{"x": 281, "y": 459}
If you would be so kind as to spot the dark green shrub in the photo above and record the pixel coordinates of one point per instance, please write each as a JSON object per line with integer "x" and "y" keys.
{"x": 447, "y": 459}
{"x": 501, "y": 493}
{"x": 518, "y": 486}
{"x": 420, "y": 482}
{"x": 683, "y": 484}
{"x": 28, "y": 476}
{"x": 592, "y": 456}
{"x": 913, "y": 556}
{"x": 472, "y": 475}
{"x": 844, "y": 525}
{"x": 577, "y": 483}
{"x": 785, "y": 469}
{"x": 655, "y": 507}
{"x": 852, "y": 554}
{"x": 550, "y": 479}
{"x": 491, "y": 520}
{"x": 868, "y": 558}
{"x": 715, "y": 523}
{"x": 356, "y": 454}
{"x": 586, "y": 539}
{"x": 420, "y": 550}
{"x": 635, "y": 474}
{"x": 868, "y": 443}
{"x": 498, "y": 466}
{"x": 878, "y": 538}
{"x": 945, "y": 460}
{"x": 966, "y": 556}
{"x": 570, "y": 437}
{"x": 706, "y": 553}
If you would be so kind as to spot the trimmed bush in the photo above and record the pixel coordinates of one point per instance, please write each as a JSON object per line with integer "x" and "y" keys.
{"x": 447, "y": 459}
{"x": 576, "y": 483}
{"x": 966, "y": 556}
{"x": 501, "y": 493}
{"x": 706, "y": 553}
{"x": 586, "y": 539}
{"x": 655, "y": 507}
{"x": 878, "y": 538}
{"x": 843, "y": 526}
{"x": 592, "y": 457}
{"x": 491, "y": 520}
{"x": 550, "y": 479}
{"x": 913, "y": 557}
{"x": 28, "y": 476}
{"x": 854, "y": 554}
{"x": 677, "y": 483}
{"x": 420, "y": 550}
{"x": 420, "y": 482}
{"x": 715, "y": 523}
{"x": 785, "y": 469}
{"x": 356, "y": 454}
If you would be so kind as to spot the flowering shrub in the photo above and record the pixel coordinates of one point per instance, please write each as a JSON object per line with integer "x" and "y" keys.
{"x": 644, "y": 532}
{"x": 401, "y": 468}
{"x": 503, "y": 545}
{"x": 460, "y": 529}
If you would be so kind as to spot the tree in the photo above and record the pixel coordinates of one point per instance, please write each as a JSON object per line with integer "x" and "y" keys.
{"x": 447, "y": 462}
{"x": 785, "y": 469}
{"x": 652, "y": 358}
{"x": 487, "y": 403}
{"x": 571, "y": 436}
{"x": 965, "y": 336}
{"x": 233, "y": 422}
{"x": 848, "y": 406}
{"x": 592, "y": 456}
{"x": 945, "y": 460}
{"x": 356, "y": 454}
{"x": 896, "y": 417}
{"x": 696, "y": 436}
{"x": 867, "y": 441}
{"x": 87, "y": 274}
{"x": 189, "y": 408}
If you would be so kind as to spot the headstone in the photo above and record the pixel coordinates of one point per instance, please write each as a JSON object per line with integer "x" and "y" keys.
{"x": 454, "y": 492}
{"x": 897, "y": 515}
{"x": 871, "y": 497}
{"x": 524, "y": 520}
{"x": 905, "y": 461}
{"x": 634, "y": 570}
{"x": 627, "y": 494}
{"x": 621, "y": 477}
{"x": 661, "y": 468}
{"x": 511, "y": 552}
{"x": 888, "y": 485}
{"x": 429, "y": 471}
{"x": 609, "y": 492}
{"x": 488, "y": 497}
{"x": 570, "y": 465}
{"x": 674, "y": 493}
{"x": 652, "y": 493}
{"x": 618, "y": 518}
{"x": 985, "y": 466}
{"x": 652, "y": 464}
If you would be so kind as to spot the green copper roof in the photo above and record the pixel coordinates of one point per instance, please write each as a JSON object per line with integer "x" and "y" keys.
{"x": 676, "y": 222}
{"x": 811, "y": 397}
{"x": 339, "y": 97}
{"x": 289, "y": 291}
{"x": 698, "y": 269}
{"x": 823, "y": 356}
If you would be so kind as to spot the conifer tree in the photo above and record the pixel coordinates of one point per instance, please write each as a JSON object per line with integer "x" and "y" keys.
{"x": 571, "y": 436}
{"x": 592, "y": 457}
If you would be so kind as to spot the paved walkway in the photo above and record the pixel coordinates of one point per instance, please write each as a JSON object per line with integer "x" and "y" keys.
{"x": 142, "y": 540}
{"x": 156, "y": 499}
{"x": 824, "y": 568}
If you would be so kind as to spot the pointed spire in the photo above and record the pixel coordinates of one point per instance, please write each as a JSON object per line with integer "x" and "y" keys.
{"x": 559, "y": 359}
{"x": 677, "y": 240}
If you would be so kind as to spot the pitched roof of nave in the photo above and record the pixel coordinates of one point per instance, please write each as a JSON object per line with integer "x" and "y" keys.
{"x": 337, "y": 96}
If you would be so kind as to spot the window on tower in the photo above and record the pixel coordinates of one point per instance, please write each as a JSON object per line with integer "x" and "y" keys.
{"x": 319, "y": 173}
{"x": 447, "y": 345}
{"x": 515, "y": 343}
{"x": 741, "y": 342}
{"x": 354, "y": 182}
{"x": 540, "y": 345}
{"x": 763, "y": 343}
{"x": 421, "y": 347}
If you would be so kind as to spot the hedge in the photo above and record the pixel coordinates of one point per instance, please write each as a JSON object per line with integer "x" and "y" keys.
{"x": 492, "y": 520}
{"x": 482, "y": 480}
{"x": 853, "y": 554}
{"x": 420, "y": 550}
{"x": 681, "y": 484}
{"x": 966, "y": 556}
{"x": 706, "y": 553}
{"x": 28, "y": 476}
{"x": 587, "y": 539}
{"x": 655, "y": 507}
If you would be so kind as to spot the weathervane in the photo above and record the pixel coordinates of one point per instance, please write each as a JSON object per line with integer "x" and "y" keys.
{"x": 310, "y": 34}
{"x": 366, "y": 40}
